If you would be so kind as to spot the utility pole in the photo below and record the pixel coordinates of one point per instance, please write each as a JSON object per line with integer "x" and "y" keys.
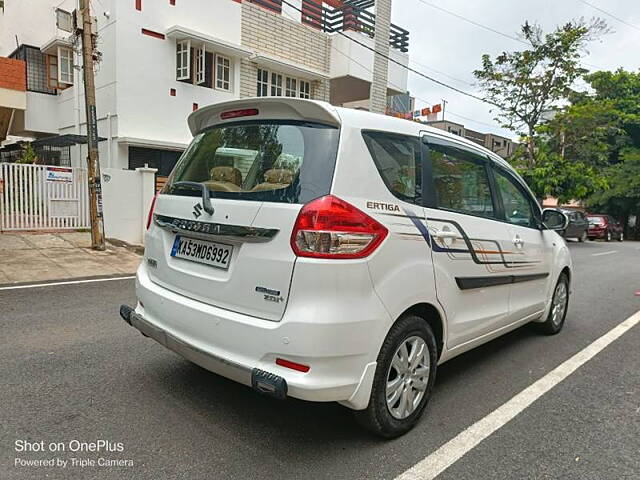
{"x": 444, "y": 107}
{"x": 93, "y": 163}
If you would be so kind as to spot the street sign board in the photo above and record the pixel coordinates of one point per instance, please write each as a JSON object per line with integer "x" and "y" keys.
{"x": 59, "y": 174}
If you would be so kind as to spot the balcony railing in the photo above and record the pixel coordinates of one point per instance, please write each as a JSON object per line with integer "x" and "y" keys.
{"x": 352, "y": 15}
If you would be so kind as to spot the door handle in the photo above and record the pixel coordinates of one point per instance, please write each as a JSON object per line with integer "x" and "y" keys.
{"x": 446, "y": 234}
{"x": 518, "y": 242}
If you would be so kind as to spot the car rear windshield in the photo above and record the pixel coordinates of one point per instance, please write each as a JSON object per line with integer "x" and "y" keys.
{"x": 596, "y": 220}
{"x": 289, "y": 162}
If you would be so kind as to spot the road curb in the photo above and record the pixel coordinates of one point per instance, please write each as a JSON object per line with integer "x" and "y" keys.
{"x": 67, "y": 280}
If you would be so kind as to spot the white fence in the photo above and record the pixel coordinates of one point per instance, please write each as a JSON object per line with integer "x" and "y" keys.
{"x": 42, "y": 197}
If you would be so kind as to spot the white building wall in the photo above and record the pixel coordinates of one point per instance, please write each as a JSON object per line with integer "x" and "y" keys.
{"x": 350, "y": 59}
{"x": 146, "y": 66}
{"x": 137, "y": 72}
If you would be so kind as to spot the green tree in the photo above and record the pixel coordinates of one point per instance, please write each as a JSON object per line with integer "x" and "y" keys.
{"x": 29, "y": 155}
{"x": 622, "y": 197}
{"x": 526, "y": 84}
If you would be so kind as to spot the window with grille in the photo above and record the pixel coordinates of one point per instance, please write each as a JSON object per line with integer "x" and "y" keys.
{"x": 291, "y": 87}
{"x": 263, "y": 83}
{"x": 305, "y": 89}
{"x": 271, "y": 83}
{"x": 65, "y": 65}
{"x": 183, "y": 59}
{"x": 37, "y": 69}
{"x": 200, "y": 65}
{"x": 276, "y": 84}
{"x": 223, "y": 72}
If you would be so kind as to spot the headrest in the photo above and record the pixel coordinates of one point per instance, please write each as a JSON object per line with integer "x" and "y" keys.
{"x": 278, "y": 175}
{"x": 226, "y": 174}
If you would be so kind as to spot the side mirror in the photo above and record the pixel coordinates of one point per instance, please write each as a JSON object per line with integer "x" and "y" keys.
{"x": 554, "y": 219}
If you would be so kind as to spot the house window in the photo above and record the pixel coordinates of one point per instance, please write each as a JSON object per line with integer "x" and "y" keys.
{"x": 200, "y": 65}
{"x": 183, "y": 59}
{"x": 271, "y": 83}
{"x": 223, "y": 72}
{"x": 305, "y": 89}
{"x": 52, "y": 71}
{"x": 64, "y": 20}
{"x": 65, "y": 66}
{"x": 291, "y": 87}
{"x": 263, "y": 83}
{"x": 276, "y": 84}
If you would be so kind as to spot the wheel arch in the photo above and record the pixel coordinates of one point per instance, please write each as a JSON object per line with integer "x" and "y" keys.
{"x": 430, "y": 314}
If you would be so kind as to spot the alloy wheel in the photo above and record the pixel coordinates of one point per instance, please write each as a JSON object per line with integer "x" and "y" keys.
{"x": 408, "y": 377}
{"x": 559, "y": 303}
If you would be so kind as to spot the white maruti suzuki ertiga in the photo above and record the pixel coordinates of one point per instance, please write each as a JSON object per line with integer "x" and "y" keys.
{"x": 331, "y": 254}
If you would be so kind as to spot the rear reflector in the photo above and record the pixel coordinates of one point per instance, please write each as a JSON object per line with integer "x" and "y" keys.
{"x": 292, "y": 365}
{"x": 247, "y": 112}
{"x": 329, "y": 227}
{"x": 151, "y": 209}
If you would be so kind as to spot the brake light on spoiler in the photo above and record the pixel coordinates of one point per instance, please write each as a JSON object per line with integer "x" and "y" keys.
{"x": 245, "y": 112}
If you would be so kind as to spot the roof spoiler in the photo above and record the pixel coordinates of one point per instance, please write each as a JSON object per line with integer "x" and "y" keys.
{"x": 268, "y": 108}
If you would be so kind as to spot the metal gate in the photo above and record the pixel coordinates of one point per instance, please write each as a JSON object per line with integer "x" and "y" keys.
{"x": 43, "y": 197}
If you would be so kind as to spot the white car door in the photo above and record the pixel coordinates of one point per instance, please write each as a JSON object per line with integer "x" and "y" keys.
{"x": 531, "y": 263}
{"x": 470, "y": 245}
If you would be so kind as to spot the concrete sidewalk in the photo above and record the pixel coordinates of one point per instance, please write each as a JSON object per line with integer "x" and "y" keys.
{"x": 37, "y": 257}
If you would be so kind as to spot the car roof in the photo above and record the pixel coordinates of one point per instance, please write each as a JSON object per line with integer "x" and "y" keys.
{"x": 316, "y": 110}
{"x": 375, "y": 121}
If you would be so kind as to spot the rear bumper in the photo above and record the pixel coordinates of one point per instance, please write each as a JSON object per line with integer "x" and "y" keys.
{"x": 340, "y": 351}
{"x": 597, "y": 233}
{"x": 264, "y": 382}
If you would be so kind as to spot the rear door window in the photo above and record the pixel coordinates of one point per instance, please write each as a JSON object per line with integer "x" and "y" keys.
{"x": 461, "y": 181}
{"x": 398, "y": 160}
{"x": 291, "y": 162}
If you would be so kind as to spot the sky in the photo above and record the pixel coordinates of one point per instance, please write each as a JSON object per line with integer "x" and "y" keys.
{"x": 440, "y": 43}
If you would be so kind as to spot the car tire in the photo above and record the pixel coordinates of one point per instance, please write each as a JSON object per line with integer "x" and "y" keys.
{"x": 608, "y": 236}
{"x": 378, "y": 417}
{"x": 559, "y": 306}
{"x": 582, "y": 237}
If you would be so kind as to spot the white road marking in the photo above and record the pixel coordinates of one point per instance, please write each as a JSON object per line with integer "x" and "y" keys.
{"x": 69, "y": 282}
{"x": 449, "y": 453}
{"x": 604, "y": 253}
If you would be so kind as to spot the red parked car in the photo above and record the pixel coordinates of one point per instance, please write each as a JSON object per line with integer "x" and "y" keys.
{"x": 604, "y": 226}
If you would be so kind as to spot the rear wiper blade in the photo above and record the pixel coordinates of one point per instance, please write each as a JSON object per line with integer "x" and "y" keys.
{"x": 206, "y": 200}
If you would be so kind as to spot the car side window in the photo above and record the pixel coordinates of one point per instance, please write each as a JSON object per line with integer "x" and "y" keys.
{"x": 398, "y": 159}
{"x": 517, "y": 206}
{"x": 461, "y": 182}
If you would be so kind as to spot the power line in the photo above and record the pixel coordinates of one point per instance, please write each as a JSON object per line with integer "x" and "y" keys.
{"x": 610, "y": 15}
{"x": 407, "y": 67}
{"x": 414, "y": 96}
{"x": 488, "y": 28}
{"x": 361, "y": 65}
{"x": 472, "y": 22}
{"x": 411, "y": 60}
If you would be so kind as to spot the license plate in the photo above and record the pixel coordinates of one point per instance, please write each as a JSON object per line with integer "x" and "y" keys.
{"x": 201, "y": 251}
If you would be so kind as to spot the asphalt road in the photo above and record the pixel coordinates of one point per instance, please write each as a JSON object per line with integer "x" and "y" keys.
{"x": 72, "y": 371}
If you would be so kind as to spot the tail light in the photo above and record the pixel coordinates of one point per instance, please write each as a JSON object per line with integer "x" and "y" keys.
{"x": 151, "y": 209}
{"x": 329, "y": 227}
